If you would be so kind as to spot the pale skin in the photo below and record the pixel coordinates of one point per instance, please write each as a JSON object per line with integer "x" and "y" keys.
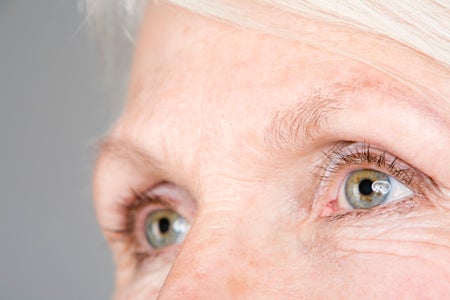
{"x": 236, "y": 131}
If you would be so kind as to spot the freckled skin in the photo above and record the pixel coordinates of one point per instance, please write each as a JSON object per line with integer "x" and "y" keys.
{"x": 201, "y": 95}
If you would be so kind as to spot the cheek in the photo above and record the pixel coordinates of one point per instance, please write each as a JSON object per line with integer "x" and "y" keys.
{"x": 143, "y": 284}
{"x": 405, "y": 258}
{"x": 142, "y": 279}
{"x": 392, "y": 277}
{"x": 248, "y": 251}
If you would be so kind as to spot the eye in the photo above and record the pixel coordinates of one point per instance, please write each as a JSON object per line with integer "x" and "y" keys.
{"x": 165, "y": 227}
{"x": 367, "y": 188}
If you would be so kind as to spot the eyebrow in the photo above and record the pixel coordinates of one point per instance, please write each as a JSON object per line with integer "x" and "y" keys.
{"x": 127, "y": 151}
{"x": 289, "y": 126}
{"x": 302, "y": 120}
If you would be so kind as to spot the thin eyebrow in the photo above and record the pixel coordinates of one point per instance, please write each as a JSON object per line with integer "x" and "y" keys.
{"x": 301, "y": 121}
{"x": 126, "y": 151}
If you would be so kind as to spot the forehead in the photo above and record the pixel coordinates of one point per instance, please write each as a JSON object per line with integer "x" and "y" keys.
{"x": 193, "y": 60}
{"x": 181, "y": 55}
{"x": 197, "y": 82}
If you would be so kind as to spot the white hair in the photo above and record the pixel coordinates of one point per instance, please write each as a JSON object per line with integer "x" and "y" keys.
{"x": 421, "y": 25}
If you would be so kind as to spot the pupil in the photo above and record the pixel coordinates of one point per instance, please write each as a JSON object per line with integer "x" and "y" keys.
{"x": 365, "y": 187}
{"x": 163, "y": 224}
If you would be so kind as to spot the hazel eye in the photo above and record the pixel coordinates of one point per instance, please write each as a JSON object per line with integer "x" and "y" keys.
{"x": 165, "y": 227}
{"x": 366, "y": 188}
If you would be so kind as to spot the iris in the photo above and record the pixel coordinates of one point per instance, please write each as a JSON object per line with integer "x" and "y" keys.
{"x": 165, "y": 227}
{"x": 367, "y": 188}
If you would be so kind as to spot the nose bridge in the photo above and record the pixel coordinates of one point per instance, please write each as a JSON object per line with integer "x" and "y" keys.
{"x": 213, "y": 256}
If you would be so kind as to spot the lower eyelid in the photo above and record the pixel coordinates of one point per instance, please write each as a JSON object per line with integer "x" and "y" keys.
{"x": 391, "y": 209}
{"x": 349, "y": 157}
{"x": 155, "y": 259}
{"x": 162, "y": 197}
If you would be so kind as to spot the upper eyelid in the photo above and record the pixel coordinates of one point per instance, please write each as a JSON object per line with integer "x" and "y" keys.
{"x": 130, "y": 215}
{"x": 143, "y": 198}
{"x": 419, "y": 182}
{"x": 162, "y": 195}
{"x": 129, "y": 210}
{"x": 364, "y": 153}
{"x": 116, "y": 156}
{"x": 125, "y": 212}
{"x": 349, "y": 154}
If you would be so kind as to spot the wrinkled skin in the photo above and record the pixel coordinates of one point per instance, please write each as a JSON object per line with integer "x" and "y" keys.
{"x": 231, "y": 126}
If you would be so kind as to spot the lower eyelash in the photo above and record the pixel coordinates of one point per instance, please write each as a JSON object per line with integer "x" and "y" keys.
{"x": 396, "y": 208}
{"x": 352, "y": 155}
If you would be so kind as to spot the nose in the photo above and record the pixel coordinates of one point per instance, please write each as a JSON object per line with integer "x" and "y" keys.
{"x": 220, "y": 259}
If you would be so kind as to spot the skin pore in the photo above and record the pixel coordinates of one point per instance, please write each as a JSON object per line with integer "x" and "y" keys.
{"x": 250, "y": 138}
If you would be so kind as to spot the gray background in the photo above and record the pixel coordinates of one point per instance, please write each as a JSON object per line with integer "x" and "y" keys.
{"x": 53, "y": 107}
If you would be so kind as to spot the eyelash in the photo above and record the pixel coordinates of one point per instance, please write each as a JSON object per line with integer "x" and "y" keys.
{"x": 362, "y": 153}
{"x": 128, "y": 210}
{"x": 339, "y": 158}
{"x": 133, "y": 212}
{"x": 129, "y": 213}
{"x": 346, "y": 155}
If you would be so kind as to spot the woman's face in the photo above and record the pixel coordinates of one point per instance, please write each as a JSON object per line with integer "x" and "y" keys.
{"x": 250, "y": 166}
